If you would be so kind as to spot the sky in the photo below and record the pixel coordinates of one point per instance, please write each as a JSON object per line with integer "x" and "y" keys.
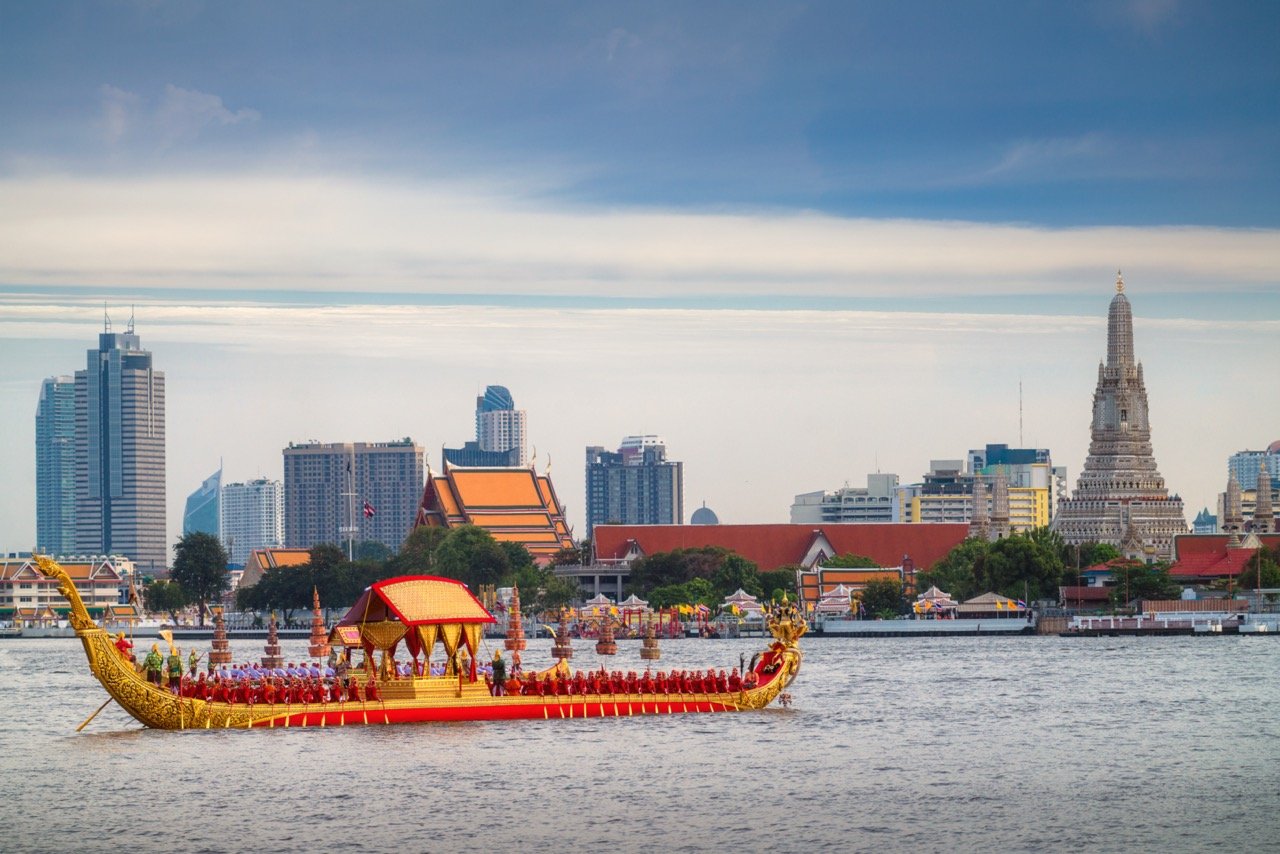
{"x": 801, "y": 241}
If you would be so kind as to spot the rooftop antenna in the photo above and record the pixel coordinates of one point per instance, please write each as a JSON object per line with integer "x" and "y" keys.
{"x": 106, "y": 318}
{"x": 130, "y": 320}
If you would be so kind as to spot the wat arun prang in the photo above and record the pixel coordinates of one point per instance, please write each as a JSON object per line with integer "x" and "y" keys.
{"x": 1121, "y": 498}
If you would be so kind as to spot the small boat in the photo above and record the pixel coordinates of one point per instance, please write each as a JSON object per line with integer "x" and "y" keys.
{"x": 424, "y": 612}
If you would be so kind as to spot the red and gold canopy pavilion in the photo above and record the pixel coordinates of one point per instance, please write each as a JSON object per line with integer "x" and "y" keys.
{"x": 420, "y": 610}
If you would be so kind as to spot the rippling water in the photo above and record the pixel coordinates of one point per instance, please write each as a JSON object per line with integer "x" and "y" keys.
{"x": 901, "y": 744}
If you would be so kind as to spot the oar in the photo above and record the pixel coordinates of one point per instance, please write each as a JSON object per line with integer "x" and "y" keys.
{"x": 94, "y": 715}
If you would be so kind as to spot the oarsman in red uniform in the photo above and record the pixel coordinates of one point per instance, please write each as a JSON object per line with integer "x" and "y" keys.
{"x": 547, "y": 688}
{"x": 735, "y": 681}
{"x": 660, "y": 683}
{"x": 722, "y": 682}
{"x": 562, "y": 685}
{"x": 631, "y": 682}
{"x": 246, "y": 692}
{"x": 513, "y": 685}
{"x": 335, "y": 692}
{"x": 353, "y": 691}
{"x": 646, "y": 682}
{"x": 709, "y": 682}
{"x": 371, "y": 690}
{"x": 125, "y": 646}
{"x": 579, "y": 683}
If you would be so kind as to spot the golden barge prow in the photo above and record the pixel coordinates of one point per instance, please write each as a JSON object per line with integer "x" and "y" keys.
{"x": 423, "y": 611}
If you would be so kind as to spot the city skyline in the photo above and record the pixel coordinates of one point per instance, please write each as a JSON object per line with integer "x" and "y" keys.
{"x": 804, "y": 242}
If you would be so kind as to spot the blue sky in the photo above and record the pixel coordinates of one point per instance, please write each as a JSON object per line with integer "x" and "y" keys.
{"x": 872, "y": 169}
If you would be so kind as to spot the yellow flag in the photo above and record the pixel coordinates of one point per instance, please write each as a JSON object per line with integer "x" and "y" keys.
{"x": 999, "y": 605}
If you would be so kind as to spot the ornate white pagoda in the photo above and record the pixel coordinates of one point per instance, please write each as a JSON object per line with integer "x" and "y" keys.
{"x": 1120, "y": 497}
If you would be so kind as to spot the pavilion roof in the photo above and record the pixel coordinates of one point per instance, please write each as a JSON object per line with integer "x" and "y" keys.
{"x": 417, "y": 600}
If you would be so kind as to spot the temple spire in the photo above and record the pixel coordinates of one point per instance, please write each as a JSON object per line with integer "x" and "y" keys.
{"x": 1119, "y": 282}
{"x": 1264, "y": 519}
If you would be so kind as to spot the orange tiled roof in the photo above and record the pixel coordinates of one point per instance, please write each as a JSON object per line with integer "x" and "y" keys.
{"x": 513, "y": 504}
{"x": 260, "y": 560}
{"x": 772, "y": 546}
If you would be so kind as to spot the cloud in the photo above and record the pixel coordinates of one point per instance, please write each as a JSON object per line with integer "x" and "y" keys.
{"x": 336, "y": 233}
{"x": 1050, "y": 157}
{"x": 1147, "y": 17}
{"x": 180, "y": 116}
{"x": 184, "y": 113}
{"x": 119, "y": 112}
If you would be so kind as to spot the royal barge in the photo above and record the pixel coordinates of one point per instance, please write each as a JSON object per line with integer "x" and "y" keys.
{"x": 425, "y": 613}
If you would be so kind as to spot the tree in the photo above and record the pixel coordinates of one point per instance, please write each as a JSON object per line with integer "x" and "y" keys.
{"x": 371, "y": 550}
{"x": 417, "y": 554}
{"x": 471, "y": 555}
{"x": 1135, "y": 580}
{"x": 882, "y": 597}
{"x": 957, "y": 572}
{"x": 776, "y": 582}
{"x": 555, "y": 594}
{"x": 164, "y": 597}
{"x": 736, "y": 572}
{"x": 518, "y": 557}
{"x": 676, "y": 567}
{"x": 1266, "y": 562}
{"x": 200, "y": 566}
{"x": 850, "y": 561}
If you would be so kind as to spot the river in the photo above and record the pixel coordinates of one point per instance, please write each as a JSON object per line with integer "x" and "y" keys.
{"x": 899, "y": 744}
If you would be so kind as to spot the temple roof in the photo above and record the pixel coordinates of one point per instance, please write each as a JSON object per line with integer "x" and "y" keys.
{"x": 515, "y": 505}
{"x": 1212, "y": 556}
{"x": 772, "y": 546}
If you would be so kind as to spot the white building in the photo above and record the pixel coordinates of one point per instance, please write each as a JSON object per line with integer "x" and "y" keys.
{"x": 872, "y": 503}
{"x": 252, "y": 517}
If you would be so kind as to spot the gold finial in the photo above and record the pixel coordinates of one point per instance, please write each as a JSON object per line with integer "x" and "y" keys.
{"x": 1119, "y": 282}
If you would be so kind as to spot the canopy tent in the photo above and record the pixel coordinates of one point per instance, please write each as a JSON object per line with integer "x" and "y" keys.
{"x": 421, "y": 610}
{"x": 837, "y": 600}
{"x": 990, "y": 603}
{"x": 635, "y": 602}
{"x": 743, "y": 602}
{"x": 934, "y": 601}
{"x": 597, "y": 606}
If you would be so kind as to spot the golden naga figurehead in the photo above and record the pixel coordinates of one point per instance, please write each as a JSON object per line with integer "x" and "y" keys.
{"x": 78, "y": 616}
{"x": 784, "y": 621}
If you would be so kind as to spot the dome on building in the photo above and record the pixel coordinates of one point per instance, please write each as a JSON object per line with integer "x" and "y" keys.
{"x": 704, "y": 515}
{"x": 1274, "y": 447}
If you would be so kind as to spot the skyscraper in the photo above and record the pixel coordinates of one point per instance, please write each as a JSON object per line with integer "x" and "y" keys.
{"x": 351, "y": 490}
{"x": 120, "y": 453}
{"x": 252, "y": 517}
{"x": 499, "y": 425}
{"x": 1120, "y": 497}
{"x": 201, "y": 512}
{"x": 56, "y": 466}
{"x": 638, "y": 485}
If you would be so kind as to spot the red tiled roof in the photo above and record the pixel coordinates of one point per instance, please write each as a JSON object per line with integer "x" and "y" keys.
{"x": 772, "y": 546}
{"x": 1207, "y": 555}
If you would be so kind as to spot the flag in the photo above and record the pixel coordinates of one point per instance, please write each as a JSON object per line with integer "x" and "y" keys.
{"x": 368, "y": 510}
{"x": 1022, "y": 605}
{"x": 999, "y": 605}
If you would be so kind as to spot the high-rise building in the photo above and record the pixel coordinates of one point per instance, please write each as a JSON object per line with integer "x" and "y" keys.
{"x": 56, "y": 466}
{"x": 872, "y": 503}
{"x": 120, "y": 453}
{"x": 638, "y": 485}
{"x": 1014, "y": 486}
{"x": 201, "y": 512}
{"x": 252, "y": 517}
{"x": 345, "y": 491}
{"x": 499, "y": 425}
{"x": 1120, "y": 497}
{"x": 470, "y": 456}
{"x": 1245, "y": 465}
